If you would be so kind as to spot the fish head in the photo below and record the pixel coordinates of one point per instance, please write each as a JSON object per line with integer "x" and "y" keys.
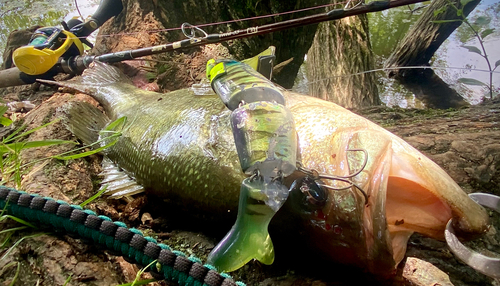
{"x": 367, "y": 191}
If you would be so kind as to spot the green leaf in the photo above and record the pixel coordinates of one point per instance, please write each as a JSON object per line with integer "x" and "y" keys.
{"x": 3, "y": 109}
{"x": 445, "y": 21}
{"x": 5, "y": 121}
{"x": 439, "y": 11}
{"x": 18, "y": 146}
{"x": 460, "y": 12}
{"x": 473, "y": 49}
{"x": 116, "y": 123}
{"x": 487, "y": 32}
{"x": 497, "y": 63}
{"x": 471, "y": 81}
{"x": 482, "y": 21}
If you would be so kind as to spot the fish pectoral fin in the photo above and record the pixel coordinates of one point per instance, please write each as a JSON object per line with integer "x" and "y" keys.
{"x": 118, "y": 184}
{"x": 84, "y": 120}
{"x": 243, "y": 243}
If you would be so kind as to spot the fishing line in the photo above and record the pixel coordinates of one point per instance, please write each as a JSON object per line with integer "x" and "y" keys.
{"x": 399, "y": 68}
{"x": 226, "y": 22}
{"x": 78, "y": 9}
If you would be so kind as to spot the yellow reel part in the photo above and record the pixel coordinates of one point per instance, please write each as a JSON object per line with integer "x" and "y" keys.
{"x": 33, "y": 61}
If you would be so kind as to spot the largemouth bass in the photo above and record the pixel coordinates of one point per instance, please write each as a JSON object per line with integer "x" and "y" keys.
{"x": 180, "y": 146}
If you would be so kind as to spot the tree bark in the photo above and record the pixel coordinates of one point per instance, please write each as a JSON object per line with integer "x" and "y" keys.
{"x": 340, "y": 50}
{"x": 417, "y": 49}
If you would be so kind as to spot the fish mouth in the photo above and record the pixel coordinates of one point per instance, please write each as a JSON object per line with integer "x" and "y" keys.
{"x": 374, "y": 235}
{"x": 407, "y": 193}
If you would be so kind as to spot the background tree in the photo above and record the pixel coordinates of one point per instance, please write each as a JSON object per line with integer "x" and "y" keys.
{"x": 290, "y": 44}
{"x": 417, "y": 49}
{"x": 340, "y": 50}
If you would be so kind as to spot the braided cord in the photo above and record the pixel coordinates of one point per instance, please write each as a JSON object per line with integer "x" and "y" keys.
{"x": 130, "y": 243}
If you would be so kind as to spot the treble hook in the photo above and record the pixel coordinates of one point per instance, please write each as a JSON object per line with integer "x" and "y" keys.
{"x": 255, "y": 175}
{"x": 316, "y": 175}
{"x": 192, "y": 32}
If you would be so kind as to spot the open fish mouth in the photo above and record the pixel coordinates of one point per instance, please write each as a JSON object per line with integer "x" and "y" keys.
{"x": 394, "y": 192}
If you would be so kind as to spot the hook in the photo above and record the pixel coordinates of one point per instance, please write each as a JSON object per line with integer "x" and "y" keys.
{"x": 346, "y": 179}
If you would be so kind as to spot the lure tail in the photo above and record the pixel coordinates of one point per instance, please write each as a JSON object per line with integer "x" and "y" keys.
{"x": 249, "y": 237}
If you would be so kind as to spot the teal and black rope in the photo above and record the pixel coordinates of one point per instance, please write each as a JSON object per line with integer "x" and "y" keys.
{"x": 130, "y": 243}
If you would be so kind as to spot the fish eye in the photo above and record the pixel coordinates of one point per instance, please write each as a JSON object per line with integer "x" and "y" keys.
{"x": 308, "y": 193}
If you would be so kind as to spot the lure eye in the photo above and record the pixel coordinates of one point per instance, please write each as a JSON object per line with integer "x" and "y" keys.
{"x": 308, "y": 193}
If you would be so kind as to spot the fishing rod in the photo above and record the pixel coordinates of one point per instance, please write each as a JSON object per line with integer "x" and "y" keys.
{"x": 77, "y": 64}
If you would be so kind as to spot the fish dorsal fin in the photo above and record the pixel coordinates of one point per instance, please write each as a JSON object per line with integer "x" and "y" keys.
{"x": 100, "y": 74}
{"x": 118, "y": 184}
{"x": 84, "y": 120}
{"x": 97, "y": 75}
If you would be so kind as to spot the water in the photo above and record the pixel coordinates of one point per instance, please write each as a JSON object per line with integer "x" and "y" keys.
{"x": 450, "y": 55}
{"x": 388, "y": 28}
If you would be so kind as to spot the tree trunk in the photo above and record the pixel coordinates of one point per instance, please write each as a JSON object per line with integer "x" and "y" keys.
{"x": 340, "y": 50}
{"x": 417, "y": 49}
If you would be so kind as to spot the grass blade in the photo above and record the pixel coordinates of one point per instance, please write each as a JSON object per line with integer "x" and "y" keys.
{"x": 10, "y": 138}
{"x": 15, "y": 275}
{"x": 84, "y": 154}
{"x": 19, "y": 241}
{"x": 13, "y": 229}
{"x": 92, "y": 198}
{"x": 18, "y": 220}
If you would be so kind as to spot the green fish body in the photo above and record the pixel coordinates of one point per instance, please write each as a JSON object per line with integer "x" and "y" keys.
{"x": 180, "y": 146}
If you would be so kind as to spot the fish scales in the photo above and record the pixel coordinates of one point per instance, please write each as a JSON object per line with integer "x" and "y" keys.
{"x": 180, "y": 146}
